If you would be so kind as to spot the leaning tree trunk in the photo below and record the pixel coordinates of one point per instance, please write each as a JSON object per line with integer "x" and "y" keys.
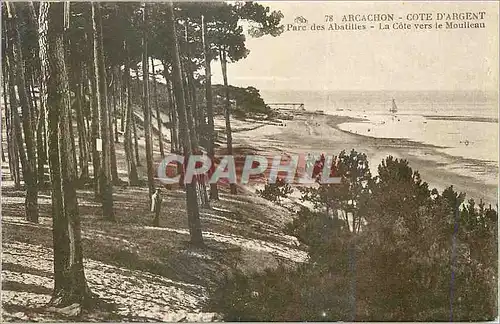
{"x": 145, "y": 104}
{"x": 157, "y": 108}
{"x": 227, "y": 111}
{"x": 17, "y": 66}
{"x": 214, "y": 192}
{"x": 70, "y": 285}
{"x": 100, "y": 74}
{"x": 191, "y": 199}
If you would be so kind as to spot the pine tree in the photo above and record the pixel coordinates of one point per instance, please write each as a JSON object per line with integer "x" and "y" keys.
{"x": 129, "y": 149}
{"x": 28, "y": 157}
{"x": 70, "y": 285}
{"x": 227, "y": 112}
{"x": 157, "y": 108}
{"x": 101, "y": 96}
{"x": 145, "y": 103}
{"x": 214, "y": 192}
{"x": 191, "y": 198}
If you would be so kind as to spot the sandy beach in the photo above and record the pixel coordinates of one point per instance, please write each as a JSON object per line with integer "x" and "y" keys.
{"x": 310, "y": 132}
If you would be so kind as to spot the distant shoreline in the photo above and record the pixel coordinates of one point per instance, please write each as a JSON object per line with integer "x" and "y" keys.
{"x": 336, "y": 120}
{"x": 463, "y": 118}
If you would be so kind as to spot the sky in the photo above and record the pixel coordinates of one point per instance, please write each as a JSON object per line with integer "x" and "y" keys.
{"x": 459, "y": 59}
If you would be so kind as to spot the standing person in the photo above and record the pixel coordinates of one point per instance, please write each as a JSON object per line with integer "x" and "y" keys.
{"x": 156, "y": 207}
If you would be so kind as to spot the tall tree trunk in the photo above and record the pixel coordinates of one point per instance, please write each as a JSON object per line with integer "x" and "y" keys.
{"x": 70, "y": 285}
{"x": 111, "y": 122}
{"x": 82, "y": 132}
{"x": 174, "y": 135}
{"x": 95, "y": 134}
{"x": 129, "y": 150}
{"x": 4, "y": 114}
{"x": 137, "y": 81}
{"x": 86, "y": 107}
{"x": 41, "y": 129}
{"x": 32, "y": 66}
{"x": 72, "y": 138}
{"x": 121, "y": 99}
{"x": 189, "y": 109}
{"x": 29, "y": 166}
{"x": 11, "y": 130}
{"x": 214, "y": 192}
{"x": 191, "y": 199}
{"x": 11, "y": 136}
{"x": 70, "y": 67}
{"x": 95, "y": 113}
{"x": 1, "y": 145}
{"x": 33, "y": 92}
{"x": 100, "y": 74}
{"x": 134, "y": 122}
{"x": 191, "y": 90}
{"x": 116, "y": 92}
{"x": 157, "y": 108}
{"x": 145, "y": 103}
{"x": 136, "y": 140}
{"x": 31, "y": 101}
{"x": 193, "y": 115}
{"x": 11, "y": 139}
{"x": 227, "y": 111}
{"x": 174, "y": 140}
{"x": 16, "y": 126}
{"x": 5, "y": 126}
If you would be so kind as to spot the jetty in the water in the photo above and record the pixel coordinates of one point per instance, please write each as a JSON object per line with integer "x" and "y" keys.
{"x": 293, "y": 106}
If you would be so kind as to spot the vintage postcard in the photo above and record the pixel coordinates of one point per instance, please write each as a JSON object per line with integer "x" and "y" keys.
{"x": 249, "y": 161}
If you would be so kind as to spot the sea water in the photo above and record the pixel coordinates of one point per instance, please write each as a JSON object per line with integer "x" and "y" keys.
{"x": 461, "y": 125}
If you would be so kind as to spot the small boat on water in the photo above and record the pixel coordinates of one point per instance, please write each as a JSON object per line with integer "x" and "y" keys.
{"x": 394, "y": 108}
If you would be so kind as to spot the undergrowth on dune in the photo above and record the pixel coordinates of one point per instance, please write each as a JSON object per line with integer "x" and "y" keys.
{"x": 385, "y": 248}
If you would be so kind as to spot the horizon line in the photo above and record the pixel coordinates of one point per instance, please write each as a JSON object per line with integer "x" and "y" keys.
{"x": 377, "y": 90}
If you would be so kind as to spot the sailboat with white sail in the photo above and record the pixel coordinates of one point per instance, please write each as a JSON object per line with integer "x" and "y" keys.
{"x": 394, "y": 108}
